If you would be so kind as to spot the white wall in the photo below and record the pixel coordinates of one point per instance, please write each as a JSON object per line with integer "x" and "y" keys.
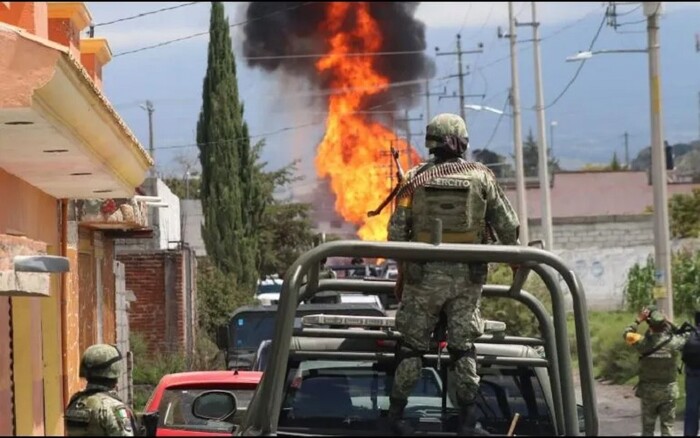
{"x": 603, "y": 271}
{"x": 168, "y": 217}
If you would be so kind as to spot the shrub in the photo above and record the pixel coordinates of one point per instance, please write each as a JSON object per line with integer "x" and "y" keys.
{"x": 520, "y": 321}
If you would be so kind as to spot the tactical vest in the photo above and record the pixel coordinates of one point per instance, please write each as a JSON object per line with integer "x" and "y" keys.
{"x": 458, "y": 200}
{"x": 78, "y": 417}
{"x": 660, "y": 366}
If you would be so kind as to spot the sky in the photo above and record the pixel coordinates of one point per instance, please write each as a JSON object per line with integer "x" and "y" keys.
{"x": 608, "y": 97}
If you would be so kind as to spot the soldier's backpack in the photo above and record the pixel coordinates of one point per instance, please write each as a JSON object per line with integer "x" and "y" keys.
{"x": 691, "y": 351}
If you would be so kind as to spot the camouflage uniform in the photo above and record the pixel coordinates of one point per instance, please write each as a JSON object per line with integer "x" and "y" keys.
{"x": 98, "y": 411}
{"x": 658, "y": 372}
{"x": 454, "y": 288}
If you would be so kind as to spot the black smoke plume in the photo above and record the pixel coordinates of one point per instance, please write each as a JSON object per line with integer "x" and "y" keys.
{"x": 294, "y": 28}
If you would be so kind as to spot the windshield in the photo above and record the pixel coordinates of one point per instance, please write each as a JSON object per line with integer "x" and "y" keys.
{"x": 175, "y": 410}
{"x": 339, "y": 396}
{"x": 248, "y": 330}
{"x": 351, "y": 395}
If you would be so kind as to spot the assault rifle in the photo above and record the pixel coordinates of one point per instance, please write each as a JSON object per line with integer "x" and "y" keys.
{"x": 399, "y": 175}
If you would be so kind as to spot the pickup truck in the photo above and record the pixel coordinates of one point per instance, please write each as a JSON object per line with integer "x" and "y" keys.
{"x": 360, "y": 376}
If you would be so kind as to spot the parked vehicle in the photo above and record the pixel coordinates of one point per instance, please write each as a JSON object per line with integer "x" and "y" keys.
{"x": 333, "y": 381}
{"x": 174, "y": 398}
{"x": 251, "y": 325}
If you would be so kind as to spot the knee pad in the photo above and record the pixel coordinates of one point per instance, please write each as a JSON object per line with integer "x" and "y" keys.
{"x": 457, "y": 354}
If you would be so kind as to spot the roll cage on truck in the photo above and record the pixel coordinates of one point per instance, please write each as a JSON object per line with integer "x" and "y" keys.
{"x": 264, "y": 413}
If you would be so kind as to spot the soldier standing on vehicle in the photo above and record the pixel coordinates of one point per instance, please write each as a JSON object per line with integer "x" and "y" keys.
{"x": 691, "y": 360}
{"x": 97, "y": 410}
{"x": 325, "y": 271}
{"x": 467, "y": 199}
{"x": 659, "y": 349}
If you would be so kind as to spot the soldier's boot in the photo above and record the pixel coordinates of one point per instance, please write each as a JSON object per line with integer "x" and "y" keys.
{"x": 396, "y": 424}
{"x": 467, "y": 422}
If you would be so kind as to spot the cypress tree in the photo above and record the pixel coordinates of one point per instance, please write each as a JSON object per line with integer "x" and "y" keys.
{"x": 230, "y": 188}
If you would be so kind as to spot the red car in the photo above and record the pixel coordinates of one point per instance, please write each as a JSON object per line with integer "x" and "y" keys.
{"x": 173, "y": 397}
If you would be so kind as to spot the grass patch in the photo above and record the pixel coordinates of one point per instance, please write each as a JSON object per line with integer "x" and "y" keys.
{"x": 149, "y": 368}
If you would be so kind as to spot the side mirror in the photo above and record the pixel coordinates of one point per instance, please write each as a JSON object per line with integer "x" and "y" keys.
{"x": 149, "y": 421}
{"x": 222, "y": 337}
{"x": 581, "y": 419}
{"x": 214, "y": 405}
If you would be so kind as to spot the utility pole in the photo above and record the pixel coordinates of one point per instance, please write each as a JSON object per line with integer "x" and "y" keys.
{"x": 427, "y": 98}
{"x": 627, "y": 150}
{"x": 543, "y": 161}
{"x": 663, "y": 291}
{"x": 408, "y": 121}
{"x": 460, "y": 72}
{"x": 151, "y": 150}
{"x": 517, "y": 128}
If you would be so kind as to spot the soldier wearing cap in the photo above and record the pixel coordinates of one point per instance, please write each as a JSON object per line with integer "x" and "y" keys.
{"x": 97, "y": 410}
{"x": 659, "y": 351}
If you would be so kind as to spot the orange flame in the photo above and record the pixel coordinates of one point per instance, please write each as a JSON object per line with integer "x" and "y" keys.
{"x": 354, "y": 150}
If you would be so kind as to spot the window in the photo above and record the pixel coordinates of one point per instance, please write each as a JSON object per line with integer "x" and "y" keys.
{"x": 175, "y": 410}
{"x": 506, "y": 391}
{"x": 248, "y": 330}
{"x": 351, "y": 395}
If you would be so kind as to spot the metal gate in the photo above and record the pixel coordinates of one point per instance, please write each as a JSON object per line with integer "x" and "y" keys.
{"x": 125, "y": 386}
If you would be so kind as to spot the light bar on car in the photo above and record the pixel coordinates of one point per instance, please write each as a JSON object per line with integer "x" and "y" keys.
{"x": 379, "y": 321}
{"x": 348, "y": 320}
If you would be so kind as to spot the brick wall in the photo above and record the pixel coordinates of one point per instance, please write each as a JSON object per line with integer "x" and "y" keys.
{"x": 598, "y": 231}
{"x": 159, "y": 313}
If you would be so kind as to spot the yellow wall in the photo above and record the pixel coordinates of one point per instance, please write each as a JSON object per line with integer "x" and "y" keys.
{"x": 53, "y": 382}
{"x": 37, "y": 366}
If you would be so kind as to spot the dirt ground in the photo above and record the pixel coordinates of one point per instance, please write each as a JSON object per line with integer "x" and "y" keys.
{"x": 619, "y": 410}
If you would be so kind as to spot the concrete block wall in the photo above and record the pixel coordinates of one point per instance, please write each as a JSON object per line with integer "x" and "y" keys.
{"x": 598, "y": 232}
{"x": 602, "y": 250}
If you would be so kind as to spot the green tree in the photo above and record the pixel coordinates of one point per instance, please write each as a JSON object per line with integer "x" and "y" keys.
{"x": 285, "y": 227}
{"x": 531, "y": 157}
{"x": 495, "y": 161}
{"x": 684, "y": 210}
{"x": 217, "y": 296}
{"x": 615, "y": 163}
{"x": 231, "y": 192}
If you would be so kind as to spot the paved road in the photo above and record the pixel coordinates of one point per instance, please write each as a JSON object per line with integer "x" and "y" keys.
{"x": 619, "y": 411}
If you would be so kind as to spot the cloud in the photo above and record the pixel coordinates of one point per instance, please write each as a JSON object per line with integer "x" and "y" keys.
{"x": 477, "y": 14}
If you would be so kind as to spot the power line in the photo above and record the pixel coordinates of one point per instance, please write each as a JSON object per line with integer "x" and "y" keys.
{"x": 195, "y": 35}
{"x": 580, "y": 67}
{"x": 498, "y": 122}
{"x": 466, "y": 15}
{"x": 523, "y": 48}
{"x": 133, "y": 17}
{"x": 289, "y": 128}
{"x": 234, "y": 140}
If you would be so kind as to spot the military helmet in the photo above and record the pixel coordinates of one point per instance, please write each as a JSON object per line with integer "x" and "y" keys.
{"x": 656, "y": 318}
{"x": 101, "y": 361}
{"x": 447, "y": 131}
